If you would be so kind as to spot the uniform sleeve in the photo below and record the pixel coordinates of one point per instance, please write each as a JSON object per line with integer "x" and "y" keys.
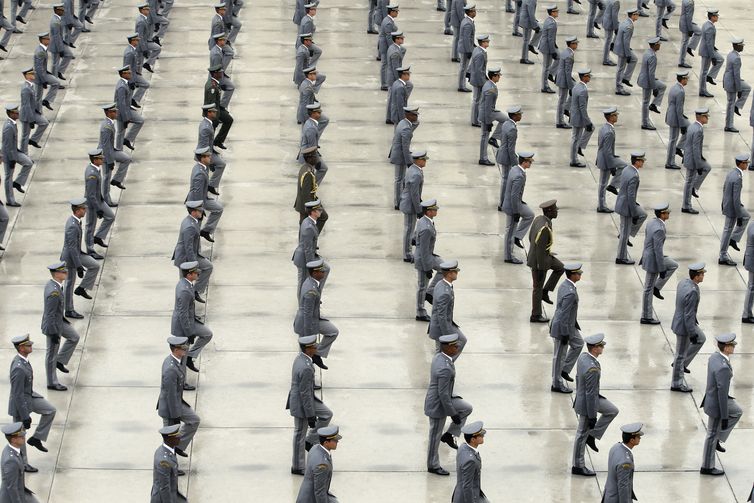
{"x": 183, "y": 309}
{"x": 321, "y": 477}
{"x": 17, "y": 380}
{"x": 163, "y": 472}
{"x": 736, "y": 200}
{"x": 440, "y": 307}
{"x": 171, "y": 384}
{"x": 517, "y": 193}
{"x": 305, "y": 387}
{"x": 422, "y": 246}
{"x": 722, "y": 381}
{"x": 51, "y": 306}
{"x": 467, "y": 475}
{"x": 511, "y": 145}
{"x": 657, "y": 247}
{"x": 444, "y": 392}
{"x": 188, "y": 245}
{"x": 625, "y": 471}
{"x": 690, "y": 303}
{"x": 406, "y": 136}
{"x": 311, "y": 325}
{"x": 592, "y": 384}
{"x": 12, "y": 479}
{"x": 72, "y": 244}
{"x": 92, "y": 188}
{"x": 309, "y": 240}
{"x": 651, "y": 71}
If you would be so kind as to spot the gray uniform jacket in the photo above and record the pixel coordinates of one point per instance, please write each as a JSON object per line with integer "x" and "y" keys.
{"x": 54, "y": 307}
{"x": 187, "y": 247}
{"x": 411, "y": 195}
{"x": 122, "y": 99}
{"x": 307, "y": 317}
{"x": 397, "y": 98}
{"x": 93, "y": 188}
{"x": 206, "y": 135}
{"x": 218, "y": 26}
{"x": 647, "y": 78}
{"x": 395, "y": 55}
{"x": 57, "y": 46}
{"x": 317, "y": 478}
{"x": 622, "y": 45}
{"x": 514, "y": 191}
{"x": 506, "y": 154}
{"x": 686, "y": 304}
{"x": 478, "y": 67}
{"x": 387, "y": 27}
{"x": 588, "y": 372}
{"x": 218, "y": 56}
{"x": 21, "y": 389}
{"x": 488, "y": 102}
{"x": 71, "y": 253}
{"x": 749, "y": 251}
{"x": 731, "y": 205}
{"x": 707, "y": 44}
{"x": 719, "y": 375}
{"x": 606, "y": 158}
{"x": 10, "y": 140}
{"x": 439, "y": 400}
{"x": 426, "y": 235}
{"x": 548, "y": 43}
{"x": 686, "y": 19}
{"x": 133, "y": 58}
{"x": 579, "y": 104}
{"x": 41, "y": 65}
{"x": 165, "y": 477}
{"x": 625, "y": 203}
{"x": 654, "y": 241}
{"x": 619, "y": 487}
{"x": 107, "y": 140}
{"x": 564, "y": 323}
{"x": 301, "y": 395}
{"x": 145, "y": 32}
{"x": 307, "y": 95}
{"x": 13, "y": 489}
{"x": 441, "y": 322}
{"x": 310, "y": 134}
{"x": 400, "y": 150}
{"x": 170, "y": 402}
{"x": 199, "y": 183}
{"x": 306, "y": 251}
{"x": 469, "y": 472}
{"x": 305, "y": 57}
{"x": 466, "y": 36}
{"x": 563, "y": 76}
{"x": 693, "y": 156}
{"x": 183, "y": 321}
{"x": 732, "y": 76}
{"x": 29, "y": 105}
{"x": 674, "y": 117}
{"x": 610, "y": 16}
{"x": 528, "y": 14}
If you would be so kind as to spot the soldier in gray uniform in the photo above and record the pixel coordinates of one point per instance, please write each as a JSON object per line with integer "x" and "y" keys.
{"x": 519, "y": 214}
{"x": 626, "y": 57}
{"x": 308, "y": 320}
{"x": 722, "y": 410}
{"x": 43, "y": 76}
{"x": 135, "y": 61}
{"x": 199, "y": 190}
{"x": 61, "y": 51}
{"x": 593, "y": 19}
{"x": 736, "y": 216}
{"x": 395, "y": 54}
{"x": 107, "y": 142}
{"x": 579, "y": 115}
{"x": 619, "y": 486}
{"x": 149, "y": 48}
{"x": 736, "y": 89}
{"x": 650, "y": 85}
{"x": 548, "y": 46}
{"x": 691, "y": 34}
{"x": 441, "y": 403}
{"x": 676, "y": 119}
{"x": 425, "y": 259}
{"x": 188, "y": 247}
{"x": 171, "y": 406}
{"x": 96, "y": 208}
{"x": 400, "y": 149}
{"x": 542, "y": 259}
{"x": 23, "y": 400}
{"x": 443, "y": 302}
{"x": 72, "y": 25}
{"x": 665, "y": 9}
{"x": 307, "y": 92}
{"x": 85, "y": 265}
{"x": 748, "y": 316}
{"x": 529, "y": 23}
{"x": 307, "y": 25}
{"x": 398, "y": 94}
{"x": 303, "y": 404}
{"x": 217, "y": 24}
{"x": 165, "y": 471}
{"x": 315, "y": 487}
{"x": 311, "y": 132}
{"x": 659, "y": 267}
{"x": 607, "y": 162}
{"x": 307, "y": 56}
{"x": 488, "y": 114}
{"x": 610, "y": 27}
{"x": 477, "y": 76}
{"x": 594, "y": 410}
{"x": 468, "y": 487}
{"x": 689, "y": 337}
{"x": 184, "y": 322}
{"x": 233, "y": 24}
{"x": 456, "y": 16}
{"x": 13, "y": 488}
{"x": 128, "y": 118}
{"x": 220, "y": 55}
{"x": 565, "y": 330}
{"x": 506, "y": 155}
{"x": 12, "y": 156}
{"x": 466, "y": 43}
{"x": 55, "y": 326}
{"x": 205, "y": 139}
{"x": 712, "y": 61}
{"x": 4, "y": 218}
{"x": 632, "y": 215}
{"x": 387, "y": 26}
{"x": 565, "y": 81}
{"x": 411, "y": 197}
{"x": 697, "y": 167}
{"x": 306, "y": 250}
{"x": 31, "y": 113}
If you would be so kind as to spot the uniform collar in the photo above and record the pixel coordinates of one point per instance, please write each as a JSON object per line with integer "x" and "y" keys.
{"x": 727, "y": 358}
{"x": 168, "y": 448}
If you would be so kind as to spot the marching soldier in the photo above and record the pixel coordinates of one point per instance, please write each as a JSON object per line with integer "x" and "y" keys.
{"x": 411, "y": 197}
{"x": 308, "y": 320}
{"x": 736, "y": 89}
{"x": 529, "y": 23}
{"x": 712, "y": 61}
{"x": 307, "y": 56}
{"x": 506, "y": 155}
{"x": 387, "y": 26}
{"x": 311, "y": 132}
{"x": 220, "y": 55}
{"x": 595, "y": 411}
{"x": 477, "y": 76}
{"x": 665, "y": 9}
{"x": 619, "y": 486}
{"x": 55, "y": 326}
{"x": 697, "y": 167}
{"x": 85, "y": 265}
{"x": 469, "y": 466}
{"x": 43, "y": 77}
{"x": 217, "y": 24}
{"x": 232, "y": 23}
{"x": 395, "y": 54}
{"x": 722, "y": 410}
{"x": 650, "y": 85}
{"x": 199, "y": 189}
{"x": 564, "y": 80}
{"x": 319, "y": 469}
{"x": 61, "y": 51}
{"x": 626, "y": 57}
{"x": 307, "y": 24}
{"x": 541, "y": 259}
{"x": 548, "y": 46}
{"x": 736, "y": 216}
{"x": 13, "y": 488}
{"x": 184, "y": 322}
{"x": 610, "y": 27}
{"x": 148, "y": 47}
{"x": 213, "y": 94}
{"x": 456, "y": 17}
{"x": 135, "y": 61}
{"x": 676, "y": 119}
{"x": 111, "y": 155}
{"x": 171, "y": 406}
{"x": 441, "y": 403}
{"x": 206, "y": 137}
{"x": 31, "y": 113}
{"x": 306, "y": 251}
{"x": 71, "y": 23}
{"x": 165, "y": 471}
{"x": 307, "y": 92}
{"x": 608, "y": 163}
{"x": 12, "y": 156}
{"x": 691, "y": 34}
{"x": 398, "y": 94}
{"x": 425, "y": 259}
{"x": 592, "y": 19}
{"x": 303, "y": 404}
{"x": 519, "y": 214}
{"x": 658, "y": 266}
{"x": 579, "y": 115}
{"x": 127, "y": 116}
{"x": 443, "y": 302}
{"x": 488, "y": 113}
{"x": 400, "y": 149}
{"x": 96, "y": 208}
{"x": 565, "y": 330}
{"x": 632, "y": 215}
{"x": 748, "y": 316}
{"x": 307, "y": 188}
{"x": 689, "y": 337}
{"x": 23, "y": 399}
{"x": 188, "y": 248}
{"x": 466, "y": 43}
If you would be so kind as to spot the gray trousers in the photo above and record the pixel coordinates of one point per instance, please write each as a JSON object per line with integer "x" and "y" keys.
{"x": 549, "y": 65}
{"x": 4, "y": 219}
{"x": 102, "y": 230}
{"x": 509, "y": 6}
{"x": 591, "y": 18}
{"x": 462, "y": 340}
{"x": 663, "y": 12}
{"x": 163, "y": 22}
{"x": 205, "y": 271}
{"x": 370, "y": 27}
{"x": 748, "y": 301}
{"x": 203, "y": 335}
{"x": 463, "y": 68}
{"x": 504, "y": 171}
{"x": 135, "y": 125}
{"x": 609, "y": 35}
{"x": 61, "y": 60}
{"x": 685, "y": 352}
{"x": 646, "y": 97}
{"x": 517, "y": 17}
{"x": 45, "y": 409}
{"x": 437, "y": 425}
{"x": 409, "y": 224}
{"x": 154, "y": 50}
{"x": 228, "y": 89}
{"x": 424, "y": 284}
{"x": 454, "y": 47}
{"x": 56, "y": 354}
{"x": 400, "y": 173}
{"x": 484, "y": 135}
{"x": 604, "y": 182}
{"x": 564, "y": 356}
{"x": 673, "y": 142}
{"x": 303, "y": 273}
{"x": 476, "y": 100}
{"x": 21, "y": 179}
{"x": 736, "y": 100}
{"x": 8, "y": 27}
{"x": 40, "y": 126}
{"x": 87, "y": 282}
{"x": 446, "y": 17}
{"x": 189, "y": 424}
{"x": 628, "y": 227}
{"x": 715, "y": 432}
{"x": 625, "y": 70}
{"x": 530, "y": 40}
{"x": 124, "y": 161}
{"x": 653, "y": 280}
{"x": 710, "y": 68}
{"x": 142, "y": 85}
{"x": 607, "y": 412}
{"x": 215, "y": 209}
{"x": 302, "y": 433}
{"x": 329, "y": 333}
{"x": 693, "y": 181}
{"x": 691, "y": 42}
{"x": 383, "y": 67}
{"x": 52, "y": 88}
{"x": 72, "y": 31}
{"x": 564, "y": 101}
{"x": 517, "y": 229}
{"x": 579, "y": 140}
{"x": 732, "y": 231}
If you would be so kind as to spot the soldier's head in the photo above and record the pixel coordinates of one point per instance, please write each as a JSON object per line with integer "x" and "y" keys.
{"x": 470, "y": 10}
{"x": 474, "y": 433}
{"x": 449, "y": 344}
{"x": 611, "y": 114}
{"x": 44, "y": 38}
{"x": 713, "y": 15}
{"x": 23, "y": 344}
{"x": 314, "y": 110}
{"x": 203, "y": 155}
{"x": 552, "y": 10}
{"x": 11, "y": 110}
{"x": 405, "y": 73}
{"x": 654, "y": 43}
{"x": 573, "y": 271}
{"x": 78, "y": 207}
{"x": 216, "y": 72}
{"x": 682, "y": 77}
{"x": 525, "y": 159}
{"x": 329, "y": 437}
{"x": 742, "y": 161}
{"x": 58, "y": 9}
{"x": 738, "y": 44}
{"x": 311, "y": 73}
{"x": 392, "y": 10}
{"x": 516, "y": 113}
{"x": 15, "y": 434}
{"x": 209, "y": 110}
{"x": 483, "y": 40}
{"x": 595, "y": 344}
{"x": 111, "y": 111}
{"x": 430, "y": 208}
{"x": 311, "y": 9}
{"x": 144, "y": 9}
{"x": 726, "y": 343}
{"x": 633, "y": 14}
{"x": 411, "y": 113}
{"x": 171, "y": 435}
{"x": 307, "y": 39}
{"x": 637, "y": 159}
{"x": 133, "y": 39}
{"x": 58, "y": 271}
{"x": 308, "y": 344}
{"x": 662, "y": 211}
{"x": 317, "y": 269}
{"x": 125, "y": 73}
{"x": 585, "y": 75}
{"x": 450, "y": 270}
{"x": 550, "y": 208}
{"x": 29, "y": 74}
{"x": 95, "y": 157}
{"x": 313, "y": 209}
{"x": 195, "y": 209}
{"x": 398, "y": 37}
{"x": 220, "y": 39}
{"x": 702, "y": 115}
{"x": 178, "y": 346}
{"x": 220, "y": 8}
{"x": 632, "y": 434}
{"x": 420, "y": 158}
{"x": 696, "y": 272}
{"x": 190, "y": 270}
{"x": 494, "y": 74}
{"x": 572, "y": 42}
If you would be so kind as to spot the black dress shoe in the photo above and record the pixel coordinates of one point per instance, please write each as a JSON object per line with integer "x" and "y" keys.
{"x": 566, "y": 377}
{"x": 408, "y": 260}
{"x": 565, "y": 391}
{"x": 681, "y": 389}
{"x": 690, "y": 52}
{"x": 57, "y": 387}
{"x": 116, "y": 183}
{"x": 98, "y": 241}
{"x": 649, "y": 128}
{"x": 747, "y": 320}
{"x": 13, "y": 204}
{"x": 622, "y": 261}
{"x": 612, "y": 189}
{"x": 578, "y": 165}
{"x": 181, "y": 473}
{"x": 665, "y": 24}
{"x": 627, "y": 82}
{"x": 684, "y": 65}
{"x": 711, "y": 471}
{"x": 672, "y": 166}
{"x": 710, "y": 80}
{"x": 61, "y": 368}
{"x": 656, "y": 293}
{"x": 308, "y": 446}
{"x": 388, "y": 121}
{"x": 190, "y": 364}
{"x": 591, "y": 442}
{"x": 649, "y": 321}
{"x": 679, "y": 152}
{"x": 581, "y": 152}
{"x": 296, "y": 472}
{"x": 563, "y": 126}
{"x": 128, "y": 144}
{"x": 500, "y": 209}
{"x": 547, "y": 90}
{"x": 35, "y": 442}
{"x": 60, "y": 76}
{"x": 719, "y": 447}
{"x": 455, "y": 60}
{"x": 2, "y": 48}
{"x": 518, "y": 243}
{"x": 317, "y": 360}
{"x": 734, "y": 245}
{"x": 439, "y": 471}
{"x": 525, "y": 61}
{"x": 221, "y": 145}
{"x": 476, "y": 125}
{"x": 88, "y": 20}
{"x": 82, "y": 293}
{"x": 148, "y": 68}
{"x": 604, "y": 210}
{"x": 464, "y": 90}
{"x": 654, "y": 108}
{"x": 737, "y": 111}
{"x": 134, "y": 104}
{"x": 18, "y": 187}
{"x": 74, "y": 314}
{"x": 206, "y": 235}
{"x": 30, "y": 469}
{"x": 731, "y": 130}
{"x": 181, "y": 452}
{"x": 34, "y": 144}
{"x": 493, "y": 142}
{"x": 448, "y": 31}
{"x": 20, "y": 20}
{"x": 213, "y": 190}
{"x": 705, "y": 94}
{"x": 513, "y": 260}
{"x": 47, "y": 105}
{"x": 517, "y": 34}
{"x": 575, "y": 470}
{"x": 428, "y": 298}
{"x": 486, "y": 162}
{"x": 95, "y": 255}
{"x": 188, "y": 387}
{"x": 532, "y": 49}
{"x": 551, "y": 78}
{"x": 609, "y": 63}
{"x": 423, "y": 317}
{"x": 199, "y": 298}
{"x": 448, "y": 439}
{"x": 726, "y": 261}
{"x": 546, "y": 297}
{"x": 690, "y": 211}
{"x": 538, "y": 319}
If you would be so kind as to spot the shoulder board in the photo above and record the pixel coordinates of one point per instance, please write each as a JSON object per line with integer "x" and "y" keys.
{"x": 323, "y": 466}
{"x": 92, "y": 177}
{"x": 593, "y": 369}
{"x": 165, "y": 464}
{"x": 55, "y": 293}
{"x": 627, "y": 465}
